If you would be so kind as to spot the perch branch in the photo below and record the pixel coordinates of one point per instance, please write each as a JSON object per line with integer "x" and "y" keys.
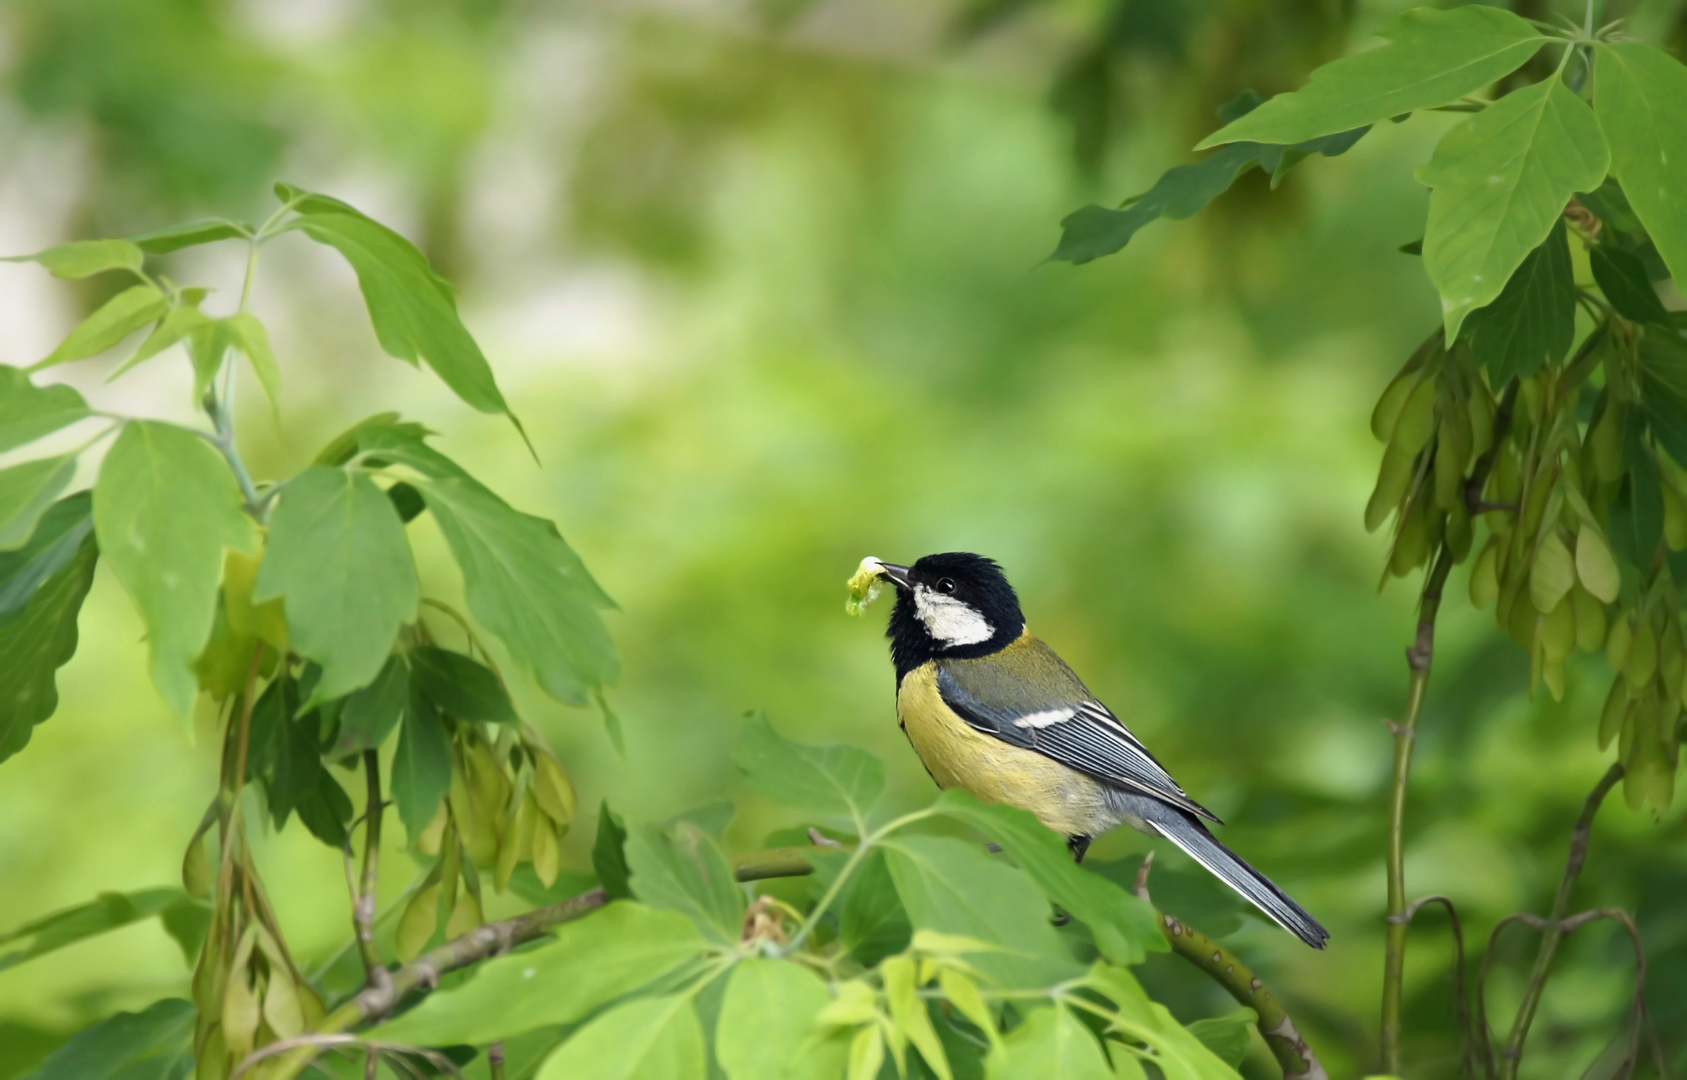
{"x": 1286, "y": 1043}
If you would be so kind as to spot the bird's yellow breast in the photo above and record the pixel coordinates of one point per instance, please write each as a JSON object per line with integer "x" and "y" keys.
{"x": 957, "y": 756}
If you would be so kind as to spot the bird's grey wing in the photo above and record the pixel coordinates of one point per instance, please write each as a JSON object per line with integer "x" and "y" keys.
{"x": 1080, "y": 733}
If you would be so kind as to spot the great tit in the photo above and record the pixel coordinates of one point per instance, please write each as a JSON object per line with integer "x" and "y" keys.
{"x": 992, "y": 710}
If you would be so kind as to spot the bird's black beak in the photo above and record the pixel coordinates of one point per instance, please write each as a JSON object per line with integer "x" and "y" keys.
{"x": 898, "y": 575}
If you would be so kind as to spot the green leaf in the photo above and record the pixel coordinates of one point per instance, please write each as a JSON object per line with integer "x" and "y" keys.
{"x": 421, "y": 769}
{"x": 1226, "y": 1036}
{"x": 871, "y": 920}
{"x": 841, "y": 780}
{"x": 1663, "y": 380}
{"x": 27, "y": 411}
{"x": 57, "y": 540}
{"x": 1533, "y": 321}
{"x": 1178, "y": 1053}
{"x": 1637, "y": 512}
{"x": 248, "y": 335}
{"x": 954, "y": 887}
{"x": 1500, "y": 183}
{"x": 187, "y": 921}
{"x": 766, "y": 1017}
{"x": 685, "y": 871}
{"x": 1433, "y": 58}
{"x": 154, "y": 1044}
{"x": 344, "y": 446}
{"x": 1052, "y": 1044}
{"x": 462, "y": 687}
{"x": 286, "y": 754}
{"x": 85, "y": 258}
{"x": 1180, "y": 193}
{"x": 524, "y": 583}
{"x": 175, "y": 237}
{"x": 591, "y": 962}
{"x": 339, "y": 559}
{"x": 413, "y": 309}
{"x": 115, "y": 320}
{"x": 1622, "y": 277}
{"x": 26, "y": 491}
{"x": 370, "y": 714}
{"x": 166, "y": 507}
{"x": 1642, "y": 105}
{"x": 653, "y": 1038}
{"x": 1125, "y": 927}
{"x": 72, "y": 925}
{"x": 1607, "y": 201}
{"x": 609, "y": 854}
{"x": 177, "y": 323}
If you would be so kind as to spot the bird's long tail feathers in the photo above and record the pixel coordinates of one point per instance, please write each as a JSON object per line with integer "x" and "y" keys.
{"x": 1230, "y": 868}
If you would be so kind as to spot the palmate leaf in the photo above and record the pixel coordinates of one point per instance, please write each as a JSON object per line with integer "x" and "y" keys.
{"x": 165, "y": 510}
{"x": 1533, "y": 321}
{"x": 648, "y": 1038}
{"x": 1432, "y": 58}
{"x": 413, "y": 309}
{"x": 1125, "y": 927}
{"x": 524, "y": 583}
{"x": 766, "y": 1017}
{"x": 26, "y": 491}
{"x": 591, "y": 962}
{"x": 368, "y": 716}
{"x": 1500, "y": 182}
{"x": 1179, "y": 1054}
{"x": 39, "y": 636}
{"x": 27, "y": 411}
{"x": 113, "y": 321}
{"x": 683, "y": 870}
{"x": 1641, "y": 99}
{"x": 340, "y": 561}
{"x": 286, "y": 754}
{"x": 1622, "y": 277}
{"x": 1226, "y": 1036}
{"x": 1052, "y": 1044}
{"x": 85, "y": 258}
{"x": 154, "y": 1044}
{"x": 841, "y": 780}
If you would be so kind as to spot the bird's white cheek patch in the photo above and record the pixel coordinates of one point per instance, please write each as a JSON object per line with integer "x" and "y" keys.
{"x": 951, "y": 621}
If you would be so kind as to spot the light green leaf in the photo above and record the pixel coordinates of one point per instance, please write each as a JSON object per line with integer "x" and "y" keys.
{"x": 1178, "y": 1053}
{"x": 1051, "y": 1044}
{"x": 766, "y": 1017}
{"x": 684, "y": 871}
{"x": 166, "y": 507}
{"x": 1641, "y": 99}
{"x": 27, "y": 411}
{"x": 248, "y": 335}
{"x": 175, "y": 237}
{"x": 1552, "y": 574}
{"x": 871, "y": 921}
{"x": 1500, "y": 182}
{"x": 41, "y": 637}
{"x": 57, "y": 539}
{"x": 1432, "y": 58}
{"x": 369, "y": 715}
{"x": 421, "y": 769}
{"x": 1180, "y": 193}
{"x": 1596, "y": 566}
{"x": 955, "y": 887}
{"x": 591, "y": 962}
{"x": 653, "y": 1038}
{"x": 1226, "y": 1036}
{"x": 110, "y": 912}
{"x": 462, "y": 687}
{"x": 524, "y": 583}
{"x": 413, "y": 309}
{"x": 177, "y": 323}
{"x": 154, "y": 1044}
{"x": 842, "y": 780}
{"x": 85, "y": 258}
{"x": 1533, "y": 321}
{"x": 26, "y": 491}
{"x": 1125, "y": 927}
{"x": 115, "y": 320}
{"x": 339, "y": 559}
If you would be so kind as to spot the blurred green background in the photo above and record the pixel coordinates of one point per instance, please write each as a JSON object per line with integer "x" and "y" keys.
{"x": 764, "y": 282}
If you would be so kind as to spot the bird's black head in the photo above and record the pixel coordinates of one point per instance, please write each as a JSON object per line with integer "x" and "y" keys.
{"x": 956, "y": 604}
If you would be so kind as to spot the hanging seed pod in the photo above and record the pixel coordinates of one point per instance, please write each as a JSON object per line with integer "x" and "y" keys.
{"x": 197, "y": 874}
{"x": 1642, "y": 661}
{"x": 1529, "y": 403}
{"x": 211, "y": 1054}
{"x": 517, "y": 843}
{"x": 282, "y": 1009}
{"x": 553, "y": 789}
{"x": 1555, "y": 677}
{"x": 1417, "y": 420}
{"x": 1616, "y": 710}
{"x": 1479, "y": 409}
{"x": 1386, "y": 415}
{"x": 1458, "y": 532}
{"x": 465, "y": 917}
{"x": 450, "y": 873}
{"x": 1643, "y": 757}
{"x": 1590, "y": 620}
{"x": 428, "y": 841}
{"x": 1617, "y": 642}
{"x": 1523, "y": 621}
{"x": 1484, "y": 576}
{"x": 477, "y": 834}
{"x": 1552, "y": 574}
{"x": 417, "y": 925}
{"x": 1393, "y": 478}
{"x": 1670, "y": 660}
{"x": 240, "y": 1014}
{"x": 1558, "y": 632}
{"x": 1508, "y": 475}
{"x": 1675, "y": 519}
{"x": 1411, "y": 547}
{"x": 1535, "y": 513}
{"x": 547, "y": 852}
{"x": 1605, "y": 441}
{"x": 1596, "y": 566}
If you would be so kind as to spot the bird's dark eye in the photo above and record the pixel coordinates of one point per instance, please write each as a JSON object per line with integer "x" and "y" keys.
{"x": 945, "y": 585}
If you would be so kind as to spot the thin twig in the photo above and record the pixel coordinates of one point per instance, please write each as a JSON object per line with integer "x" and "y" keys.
{"x": 364, "y": 900}
{"x": 1286, "y": 1043}
{"x": 1468, "y": 1067}
{"x": 1555, "y": 926}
